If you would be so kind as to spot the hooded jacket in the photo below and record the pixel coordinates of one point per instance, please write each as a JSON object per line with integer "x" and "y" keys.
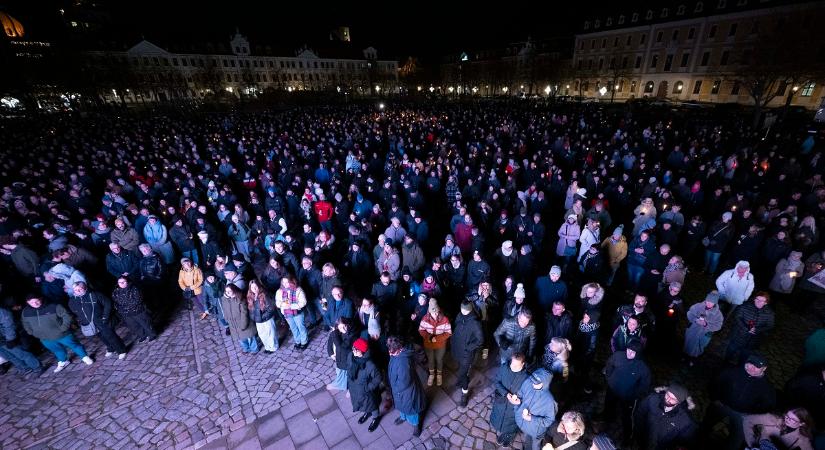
{"x": 628, "y": 379}
{"x": 659, "y": 429}
{"x": 539, "y": 403}
{"x": 733, "y": 288}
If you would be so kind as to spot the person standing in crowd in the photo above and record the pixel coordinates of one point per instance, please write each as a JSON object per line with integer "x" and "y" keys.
{"x": 640, "y": 249}
{"x": 467, "y": 338}
{"x": 156, "y": 236}
{"x": 339, "y": 348}
{"x": 662, "y": 419}
{"x": 290, "y": 300}
{"x": 537, "y": 408}
{"x": 705, "y": 319}
{"x": 788, "y": 270}
{"x": 262, "y": 312}
{"x": 737, "y": 392}
{"x": 568, "y": 433}
{"x": 236, "y": 311}
{"x": 716, "y": 241}
{"x": 94, "y": 310}
{"x": 435, "y": 330}
{"x": 11, "y": 347}
{"x": 736, "y": 285}
{"x": 794, "y": 430}
{"x": 628, "y": 380}
{"x": 51, "y": 323}
{"x": 516, "y": 335}
{"x": 190, "y": 281}
{"x": 615, "y": 247}
{"x": 750, "y": 322}
{"x": 128, "y": 301}
{"x": 569, "y": 234}
{"x": 509, "y": 378}
{"x": 407, "y": 392}
{"x": 364, "y": 384}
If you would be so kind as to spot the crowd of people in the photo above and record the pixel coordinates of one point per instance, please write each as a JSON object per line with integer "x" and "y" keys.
{"x": 529, "y": 238}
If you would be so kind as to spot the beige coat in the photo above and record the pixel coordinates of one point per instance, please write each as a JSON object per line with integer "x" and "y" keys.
{"x": 192, "y": 279}
{"x": 616, "y": 253}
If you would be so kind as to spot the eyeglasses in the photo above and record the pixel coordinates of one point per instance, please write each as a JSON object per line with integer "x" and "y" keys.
{"x": 791, "y": 418}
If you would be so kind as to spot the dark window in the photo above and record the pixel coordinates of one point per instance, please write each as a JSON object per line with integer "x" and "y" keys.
{"x": 580, "y": 64}
{"x": 642, "y": 40}
{"x": 668, "y": 63}
{"x": 616, "y": 42}
{"x": 649, "y": 87}
{"x": 715, "y": 88}
{"x": 654, "y": 61}
{"x": 725, "y": 57}
{"x": 624, "y": 62}
{"x": 697, "y": 87}
{"x": 592, "y": 44}
{"x": 705, "y": 59}
{"x": 735, "y": 89}
{"x": 685, "y": 59}
{"x": 604, "y": 43}
{"x": 638, "y": 62}
{"x": 675, "y": 35}
{"x": 691, "y": 33}
{"x": 712, "y": 32}
{"x": 601, "y": 63}
{"x": 659, "y": 36}
{"x": 732, "y": 30}
{"x": 629, "y": 39}
{"x": 175, "y": 62}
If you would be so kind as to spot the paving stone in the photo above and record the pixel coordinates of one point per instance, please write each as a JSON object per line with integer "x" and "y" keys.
{"x": 284, "y": 443}
{"x": 294, "y": 408}
{"x": 315, "y": 444}
{"x": 320, "y": 402}
{"x": 334, "y": 427}
{"x": 302, "y": 428}
{"x": 349, "y": 444}
{"x": 271, "y": 427}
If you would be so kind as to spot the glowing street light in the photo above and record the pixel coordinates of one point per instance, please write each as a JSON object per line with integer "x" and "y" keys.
{"x": 795, "y": 88}
{"x": 450, "y": 89}
{"x": 338, "y": 88}
{"x": 505, "y": 89}
{"x": 432, "y": 89}
{"x": 547, "y": 90}
{"x": 377, "y": 88}
{"x": 419, "y": 88}
{"x": 475, "y": 89}
{"x": 380, "y": 106}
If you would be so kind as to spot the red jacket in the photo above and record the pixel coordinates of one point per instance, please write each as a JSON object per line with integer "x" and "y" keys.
{"x": 323, "y": 209}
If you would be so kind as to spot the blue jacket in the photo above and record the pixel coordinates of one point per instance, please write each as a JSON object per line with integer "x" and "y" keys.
{"x": 539, "y": 403}
{"x": 407, "y": 392}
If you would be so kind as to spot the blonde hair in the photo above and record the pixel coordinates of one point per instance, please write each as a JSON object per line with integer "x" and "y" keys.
{"x": 564, "y": 354}
{"x": 575, "y": 418}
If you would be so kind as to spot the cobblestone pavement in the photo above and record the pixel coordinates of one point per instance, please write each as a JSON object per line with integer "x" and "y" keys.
{"x": 192, "y": 388}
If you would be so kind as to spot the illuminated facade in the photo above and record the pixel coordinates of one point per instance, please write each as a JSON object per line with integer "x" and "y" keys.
{"x": 686, "y": 51}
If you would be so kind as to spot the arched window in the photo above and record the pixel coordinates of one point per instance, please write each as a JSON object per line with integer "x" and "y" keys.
{"x": 649, "y": 87}
{"x": 678, "y": 87}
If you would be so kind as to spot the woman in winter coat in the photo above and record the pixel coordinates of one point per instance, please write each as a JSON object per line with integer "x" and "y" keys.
{"x": 626, "y": 332}
{"x": 190, "y": 281}
{"x": 590, "y": 235}
{"x": 705, "y": 318}
{"x": 262, "y": 312}
{"x": 239, "y": 233}
{"x": 156, "y": 236}
{"x": 642, "y": 214}
{"x": 364, "y": 384}
{"x": 568, "y": 433}
{"x": 555, "y": 361}
{"x": 128, "y": 302}
{"x": 591, "y": 297}
{"x": 339, "y": 348}
{"x": 788, "y": 270}
{"x": 291, "y": 300}
{"x": 675, "y": 271}
{"x": 236, "y": 313}
{"x": 615, "y": 247}
{"x": 435, "y": 330}
{"x": 794, "y": 430}
{"x": 569, "y": 233}
{"x": 407, "y": 392}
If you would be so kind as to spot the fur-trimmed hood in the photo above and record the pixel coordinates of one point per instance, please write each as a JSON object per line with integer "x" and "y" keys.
{"x": 597, "y": 298}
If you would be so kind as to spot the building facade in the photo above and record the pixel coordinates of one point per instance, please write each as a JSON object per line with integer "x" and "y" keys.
{"x": 147, "y": 72}
{"x": 519, "y": 68}
{"x": 690, "y": 51}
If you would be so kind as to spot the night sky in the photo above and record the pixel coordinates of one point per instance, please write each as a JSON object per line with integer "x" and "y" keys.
{"x": 422, "y": 28}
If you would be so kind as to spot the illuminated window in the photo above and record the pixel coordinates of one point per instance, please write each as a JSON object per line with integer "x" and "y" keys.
{"x": 808, "y": 89}
{"x": 649, "y": 87}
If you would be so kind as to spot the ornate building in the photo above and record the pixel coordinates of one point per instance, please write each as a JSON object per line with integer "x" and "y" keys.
{"x": 147, "y": 72}
{"x": 707, "y": 51}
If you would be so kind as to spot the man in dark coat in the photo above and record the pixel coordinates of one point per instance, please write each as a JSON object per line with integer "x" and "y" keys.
{"x": 550, "y": 289}
{"x": 122, "y": 263}
{"x": 466, "y": 340}
{"x": 738, "y": 391}
{"x": 94, "y": 307}
{"x": 559, "y": 323}
{"x": 516, "y": 335}
{"x": 336, "y": 308}
{"x": 509, "y": 379}
{"x": 751, "y": 321}
{"x": 628, "y": 379}
{"x": 407, "y": 391}
{"x": 364, "y": 384}
{"x": 663, "y": 421}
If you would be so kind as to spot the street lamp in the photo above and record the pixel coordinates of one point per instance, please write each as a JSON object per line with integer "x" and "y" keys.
{"x": 419, "y": 88}
{"x": 475, "y": 89}
{"x": 795, "y": 88}
{"x": 380, "y": 106}
{"x": 377, "y": 88}
{"x": 505, "y": 89}
{"x": 450, "y": 89}
{"x": 547, "y": 90}
{"x": 432, "y": 89}
{"x": 338, "y": 88}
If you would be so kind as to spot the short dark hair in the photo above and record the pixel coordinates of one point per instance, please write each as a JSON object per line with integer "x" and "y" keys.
{"x": 394, "y": 344}
{"x": 518, "y": 356}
